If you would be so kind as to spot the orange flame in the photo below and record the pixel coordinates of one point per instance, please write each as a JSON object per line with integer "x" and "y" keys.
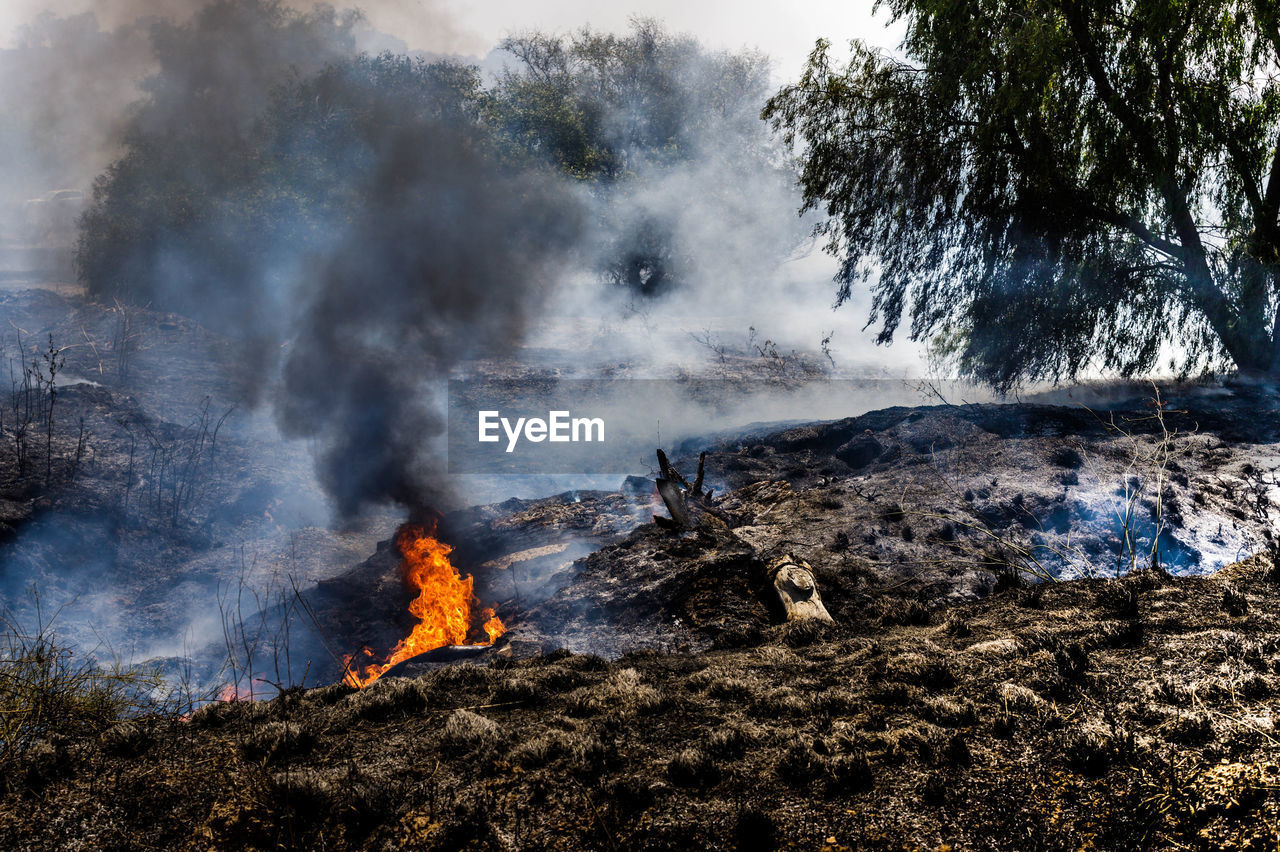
{"x": 444, "y": 607}
{"x": 236, "y": 692}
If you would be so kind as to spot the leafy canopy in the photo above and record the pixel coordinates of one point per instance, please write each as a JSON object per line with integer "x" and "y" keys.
{"x": 1043, "y": 187}
{"x": 262, "y": 129}
{"x": 608, "y": 106}
{"x": 651, "y": 123}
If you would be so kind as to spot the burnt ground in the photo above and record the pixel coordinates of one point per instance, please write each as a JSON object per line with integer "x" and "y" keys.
{"x": 1102, "y": 714}
{"x": 159, "y": 489}
{"x": 942, "y": 710}
{"x": 902, "y": 511}
{"x": 646, "y": 695}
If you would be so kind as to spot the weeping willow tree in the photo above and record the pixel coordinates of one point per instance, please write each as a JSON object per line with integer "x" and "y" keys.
{"x": 1048, "y": 186}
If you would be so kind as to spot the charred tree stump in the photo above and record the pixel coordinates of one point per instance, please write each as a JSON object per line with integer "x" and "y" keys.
{"x": 676, "y": 504}
{"x": 684, "y": 501}
{"x": 797, "y": 589}
{"x": 791, "y": 578}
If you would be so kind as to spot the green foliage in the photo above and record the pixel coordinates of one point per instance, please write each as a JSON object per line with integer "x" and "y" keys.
{"x": 624, "y": 113}
{"x": 229, "y": 185}
{"x": 607, "y": 106}
{"x": 240, "y": 171}
{"x": 1044, "y": 187}
{"x": 192, "y": 182}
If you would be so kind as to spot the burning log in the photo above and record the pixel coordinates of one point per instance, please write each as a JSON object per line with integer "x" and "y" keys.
{"x": 797, "y": 589}
{"x": 446, "y": 608}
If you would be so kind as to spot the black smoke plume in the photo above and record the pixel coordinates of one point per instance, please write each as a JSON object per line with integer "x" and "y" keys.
{"x": 391, "y": 217}
{"x": 356, "y": 210}
{"x": 448, "y": 257}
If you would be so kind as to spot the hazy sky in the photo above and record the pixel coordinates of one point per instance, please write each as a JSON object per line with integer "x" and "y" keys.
{"x": 785, "y": 30}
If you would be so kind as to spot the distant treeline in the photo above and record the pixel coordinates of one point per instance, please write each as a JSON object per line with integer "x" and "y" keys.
{"x": 260, "y": 133}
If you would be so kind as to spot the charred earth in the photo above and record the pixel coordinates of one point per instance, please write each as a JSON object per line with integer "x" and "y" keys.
{"x": 1048, "y": 631}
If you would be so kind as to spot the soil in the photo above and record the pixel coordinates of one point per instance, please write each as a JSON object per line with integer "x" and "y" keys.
{"x": 1103, "y": 714}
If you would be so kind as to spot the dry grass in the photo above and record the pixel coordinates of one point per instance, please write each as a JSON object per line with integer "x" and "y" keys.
{"x": 50, "y": 694}
{"x": 1133, "y": 721}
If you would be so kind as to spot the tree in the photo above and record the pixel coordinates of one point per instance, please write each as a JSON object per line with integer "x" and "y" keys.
{"x": 254, "y": 147}
{"x": 1052, "y": 185}
{"x": 660, "y": 130}
{"x": 180, "y": 219}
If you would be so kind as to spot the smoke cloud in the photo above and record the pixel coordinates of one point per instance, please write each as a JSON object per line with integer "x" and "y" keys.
{"x": 68, "y": 86}
{"x": 72, "y": 68}
{"x": 386, "y": 223}
{"x": 363, "y": 226}
{"x": 450, "y": 260}
{"x": 281, "y": 187}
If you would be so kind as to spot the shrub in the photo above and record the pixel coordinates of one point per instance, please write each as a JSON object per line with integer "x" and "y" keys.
{"x": 1234, "y": 602}
{"x": 732, "y": 688}
{"x": 1193, "y": 728}
{"x": 693, "y": 768}
{"x": 125, "y": 739}
{"x": 800, "y": 764}
{"x": 47, "y": 692}
{"x": 621, "y": 691}
{"x": 799, "y": 634}
{"x": 275, "y": 741}
{"x": 1019, "y": 699}
{"x": 851, "y": 772}
{"x": 1087, "y": 751}
{"x": 956, "y": 626}
{"x": 1120, "y": 597}
{"x": 388, "y": 697}
{"x": 731, "y": 741}
{"x": 517, "y": 690}
{"x": 948, "y": 712}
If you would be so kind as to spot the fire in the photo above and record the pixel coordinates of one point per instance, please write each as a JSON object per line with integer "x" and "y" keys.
{"x": 446, "y": 606}
{"x": 235, "y": 692}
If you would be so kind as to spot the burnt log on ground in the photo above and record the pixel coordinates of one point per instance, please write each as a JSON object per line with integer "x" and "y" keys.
{"x": 796, "y": 586}
{"x": 791, "y": 579}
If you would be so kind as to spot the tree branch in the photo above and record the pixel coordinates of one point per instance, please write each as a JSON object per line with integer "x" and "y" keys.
{"x": 1081, "y": 32}
{"x": 1237, "y": 338}
{"x": 1139, "y": 229}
